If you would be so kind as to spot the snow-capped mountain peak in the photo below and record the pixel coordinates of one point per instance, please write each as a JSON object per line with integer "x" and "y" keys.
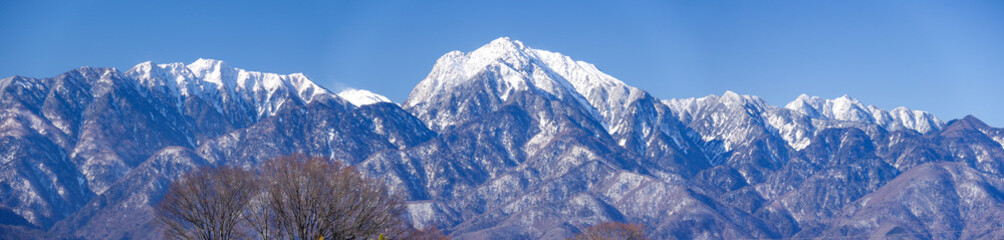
{"x": 503, "y": 49}
{"x": 804, "y": 105}
{"x": 920, "y": 121}
{"x": 203, "y": 67}
{"x": 844, "y": 108}
{"x": 517, "y": 67}
{"x": 733, "y": 118}
{"x": 174, "y": 77}
{"x": 729, "y": 94}
{"x": 215, "y": 79}
{"x": 149, "y": 69}
{"x": 361, "y": 97}
{"x": 798, "y": 121}
{"x": 509, "y": 57}
{"x": 848, "y": 109}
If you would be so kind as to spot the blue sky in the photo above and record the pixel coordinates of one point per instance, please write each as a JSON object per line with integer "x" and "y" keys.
{"x": 946, "y": 57}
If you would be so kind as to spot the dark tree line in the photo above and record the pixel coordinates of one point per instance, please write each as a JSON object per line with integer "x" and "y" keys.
{"x": 287, "y": 198}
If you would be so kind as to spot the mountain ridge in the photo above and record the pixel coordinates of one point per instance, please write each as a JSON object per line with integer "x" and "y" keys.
{"x": 505, "y": 141}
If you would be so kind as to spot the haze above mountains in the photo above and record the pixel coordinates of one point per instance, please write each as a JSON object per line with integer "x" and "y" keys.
{"x": 505, "y": 141}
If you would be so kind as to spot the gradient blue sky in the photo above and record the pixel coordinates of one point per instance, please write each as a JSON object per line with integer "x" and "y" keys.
{"x": 946, "y": 57}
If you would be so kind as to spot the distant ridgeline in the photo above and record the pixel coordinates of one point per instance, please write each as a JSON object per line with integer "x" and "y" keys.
{"x": 503, "y": 142}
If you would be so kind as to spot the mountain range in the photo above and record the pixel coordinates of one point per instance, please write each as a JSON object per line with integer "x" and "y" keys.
{"x": 503, "y": 142}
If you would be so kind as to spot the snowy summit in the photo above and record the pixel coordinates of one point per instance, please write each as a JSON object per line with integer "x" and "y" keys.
{"x": 514, "y": 67}
{"x": 361, "y": 97}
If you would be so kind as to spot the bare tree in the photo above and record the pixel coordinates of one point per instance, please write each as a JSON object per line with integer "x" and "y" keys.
{"x": 317, "y": 197}
{"x": 206, "y": 204}
{"x": 258, "y": 216}
{"x": 612, "y": 230}
{"x": 294, "y": 197}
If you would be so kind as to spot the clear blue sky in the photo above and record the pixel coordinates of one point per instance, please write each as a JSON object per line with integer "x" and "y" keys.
{"x": 946, "y": 57}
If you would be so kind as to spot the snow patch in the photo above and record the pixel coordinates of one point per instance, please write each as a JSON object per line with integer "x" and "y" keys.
{"x": 361, "y": 97}
{"x": 421, "y": 213}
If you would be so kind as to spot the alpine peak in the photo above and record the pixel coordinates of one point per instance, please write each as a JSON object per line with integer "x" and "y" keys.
{"x": 514, "y": 66}
{"x": 203, "y": 65}
{"x": 504, "y": 44}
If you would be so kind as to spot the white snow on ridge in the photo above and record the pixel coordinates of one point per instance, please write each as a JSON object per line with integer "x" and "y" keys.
{"x": 731, "y": 117}
{"x": 607, "y": 94}
{"x": 361, "y": 97}
{"x": 798, "y": 121}
{"x": 843, "y": 108}
{"x": 849, "y": 109}
{"x": 914, "y": 119}
{"x": 214, "y": 79}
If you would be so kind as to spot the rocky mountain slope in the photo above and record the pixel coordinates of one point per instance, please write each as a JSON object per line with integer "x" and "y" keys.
{"x": 503, "y": 142}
